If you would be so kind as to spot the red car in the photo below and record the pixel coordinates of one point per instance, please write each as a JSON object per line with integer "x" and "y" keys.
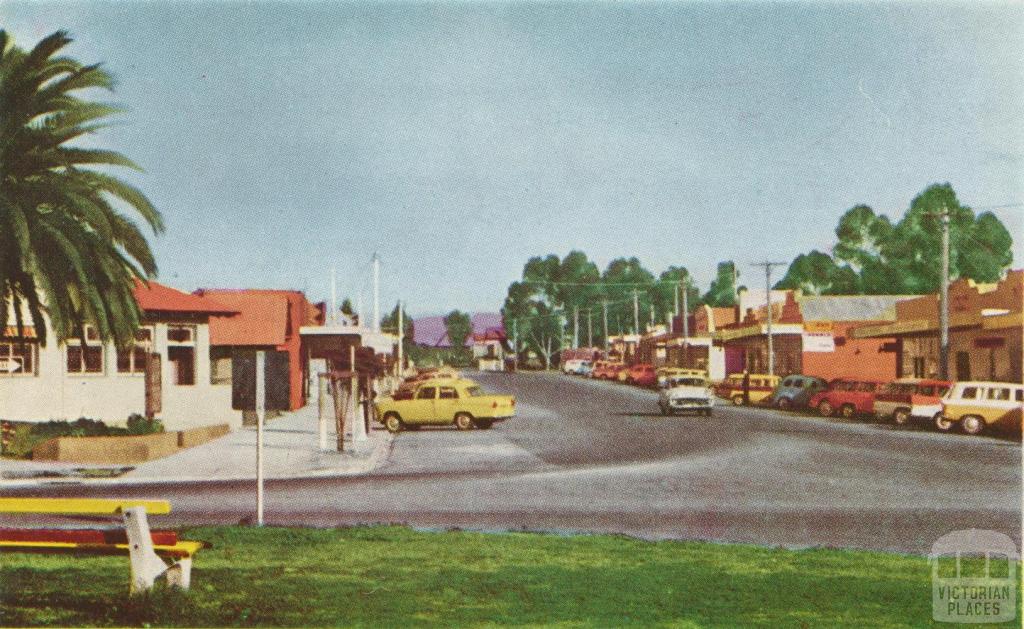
{"x": 642, "y": 375}
{"x": 847, "y": 397}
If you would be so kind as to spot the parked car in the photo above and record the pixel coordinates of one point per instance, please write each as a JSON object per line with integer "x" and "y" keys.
{"x": 460, "y": 402}
{"x": 907, "y": 399}
{"x": 686, "y": 393}
{"x": 586, "y": 368}
{"x": 642, "y": 375}
{"x": 605, "y": 370}
{"x": 847, "y": 397}
{"x": 760, "y": 389}
{"x": 622, "y": 373}
{"x": 976, "y": 406}
{"x": 572, "y": 365}
{"x": 795, "y": 391}
{"x": 664, "y": 373}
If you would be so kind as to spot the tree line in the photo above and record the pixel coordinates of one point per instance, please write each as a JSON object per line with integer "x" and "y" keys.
{"x": 873, "y": 255}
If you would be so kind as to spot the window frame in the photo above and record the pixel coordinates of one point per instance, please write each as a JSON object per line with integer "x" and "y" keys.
{"x": 33, "y": 351}
{"x": 144, "y": 344}
{"x": 92, "y": 341}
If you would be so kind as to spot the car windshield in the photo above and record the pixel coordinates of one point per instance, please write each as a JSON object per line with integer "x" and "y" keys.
{"x": 688, "y": 382}
{"x": 474, "y": 391}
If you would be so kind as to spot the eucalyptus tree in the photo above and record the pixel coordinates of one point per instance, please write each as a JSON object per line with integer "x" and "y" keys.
{"x": 70, "y": 246}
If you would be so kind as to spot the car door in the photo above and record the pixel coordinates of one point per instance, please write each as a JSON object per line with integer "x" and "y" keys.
{"x": 446, "y": 405}
{"x": 421, "y": 408}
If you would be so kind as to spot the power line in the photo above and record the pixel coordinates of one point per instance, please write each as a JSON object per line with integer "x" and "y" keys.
{"x": 597, "y": 284}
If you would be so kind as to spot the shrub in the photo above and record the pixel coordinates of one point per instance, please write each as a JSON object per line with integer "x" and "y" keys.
{"x": 27, "y": 435}
{"x": 140, "y": 425}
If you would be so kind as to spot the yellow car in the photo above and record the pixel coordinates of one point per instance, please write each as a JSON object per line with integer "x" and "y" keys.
{"x": 445, "y": 401}
{"x": 761, "y": 387}
{"x": 979, "y": 405}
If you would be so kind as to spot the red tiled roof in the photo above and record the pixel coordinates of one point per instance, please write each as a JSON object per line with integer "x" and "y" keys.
{"x": 262, "y": 318}
{"x": 156, "y": 297}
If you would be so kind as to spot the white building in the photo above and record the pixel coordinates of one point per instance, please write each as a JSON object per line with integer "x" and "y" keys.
{"x": 165, "y": 375}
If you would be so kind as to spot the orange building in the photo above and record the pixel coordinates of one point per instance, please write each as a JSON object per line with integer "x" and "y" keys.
{"x": 986, "y": 326}
{"x": 812, "y": 335}
{"x": 268, "y": 320}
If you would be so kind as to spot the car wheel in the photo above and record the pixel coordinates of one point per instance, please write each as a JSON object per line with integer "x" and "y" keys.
{"x": 464, "y": 421}
{"x": 664, "y": 410}
{"x": 943, "y": 424}
{"x": 825, "y": 409}
{"x": 901, "y": 417}
{"x": 707, "y": 413}
{"x": 393, "y": 423}
{"x": 972, "y": 425}
{"x": 483, "y": 424}
{"x": 847, "y": 411}
{"x": 737, "y": 400}
{"x": 784, "y": 403}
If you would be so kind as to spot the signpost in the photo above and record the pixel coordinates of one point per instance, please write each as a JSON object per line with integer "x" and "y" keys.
{"x": 259, "y": 382}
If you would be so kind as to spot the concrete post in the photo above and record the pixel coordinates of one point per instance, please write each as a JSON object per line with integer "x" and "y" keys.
{"x": 325, "y": 407}
{"x": 358, "y": 427}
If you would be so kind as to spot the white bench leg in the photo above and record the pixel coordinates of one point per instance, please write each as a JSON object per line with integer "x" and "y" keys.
{"x": 146, "y": 565}
{"x": 180, "y": 574}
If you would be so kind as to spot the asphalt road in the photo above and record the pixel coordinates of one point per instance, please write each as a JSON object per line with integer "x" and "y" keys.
{"x": 597, "y": 457}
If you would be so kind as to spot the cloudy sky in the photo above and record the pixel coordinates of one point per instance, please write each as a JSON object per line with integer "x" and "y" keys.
{"x": 458, "y": 139}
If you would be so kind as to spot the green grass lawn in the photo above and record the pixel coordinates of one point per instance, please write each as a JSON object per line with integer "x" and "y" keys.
{"x": 397, "y": 577}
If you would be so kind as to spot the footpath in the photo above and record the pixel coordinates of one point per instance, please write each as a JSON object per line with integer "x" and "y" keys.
{"x": 291, "y": 449}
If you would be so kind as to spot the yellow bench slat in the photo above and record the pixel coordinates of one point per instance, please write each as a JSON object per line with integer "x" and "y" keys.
{"x": 179, "y": 550}
{"x": 81, "y": 506}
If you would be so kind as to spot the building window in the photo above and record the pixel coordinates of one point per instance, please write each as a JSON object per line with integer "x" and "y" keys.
{"x": 133, "y": 359}
{"x": 220, "y": 365}
{"x": 918, "y": 366}
{"x": 18, "y": 358}
{"x": 181, "y": 354}
{"x": 85, "y": 357}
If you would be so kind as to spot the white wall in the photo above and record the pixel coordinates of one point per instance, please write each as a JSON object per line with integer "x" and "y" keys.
{"x": 113, "y": 396}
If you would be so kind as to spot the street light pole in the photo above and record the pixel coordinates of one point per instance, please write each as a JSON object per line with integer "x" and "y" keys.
{"x": 575, "y": 327}
{"x": 376, "y": 293}
{"x": 636, "y": 312}
{"x": 401, "y": 340}
{"x": 605, "y": 304}
{"x": 944, "y": 299}
{"x": 768, "y": 307}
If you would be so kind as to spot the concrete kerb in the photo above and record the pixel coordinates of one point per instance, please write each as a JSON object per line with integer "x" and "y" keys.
{"x": 356, "y": 466}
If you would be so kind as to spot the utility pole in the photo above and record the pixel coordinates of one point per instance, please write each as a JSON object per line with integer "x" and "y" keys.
{"x": 944, "y": 299}
{"x": 515, "y": 338}
{"x": 768, "y": 308}
{"x": 636, "y": 312}
{"x": 675, "y": 296}
{"x": 575, "y": 327}
{"x": 261, "y": 412}
{"x": 605, "y": 304}
{"x": 590, "y": 329}
{"x": 401, "y": 340}
{"x": 686, "y": 314}
{"x": 376, "y": 293}
{"x": 332, "y": 317}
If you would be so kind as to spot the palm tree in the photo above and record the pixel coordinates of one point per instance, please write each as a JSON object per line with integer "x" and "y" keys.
{"x": 67, "y": 249}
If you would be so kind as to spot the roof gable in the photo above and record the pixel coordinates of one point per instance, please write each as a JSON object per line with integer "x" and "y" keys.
{"x": 155, "y": 297}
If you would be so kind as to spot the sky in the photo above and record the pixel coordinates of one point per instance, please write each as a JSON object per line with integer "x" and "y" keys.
{"x": 458, "y": 139}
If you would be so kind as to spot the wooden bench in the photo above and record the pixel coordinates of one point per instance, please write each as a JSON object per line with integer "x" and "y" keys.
{"x": 144, "y": 548}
